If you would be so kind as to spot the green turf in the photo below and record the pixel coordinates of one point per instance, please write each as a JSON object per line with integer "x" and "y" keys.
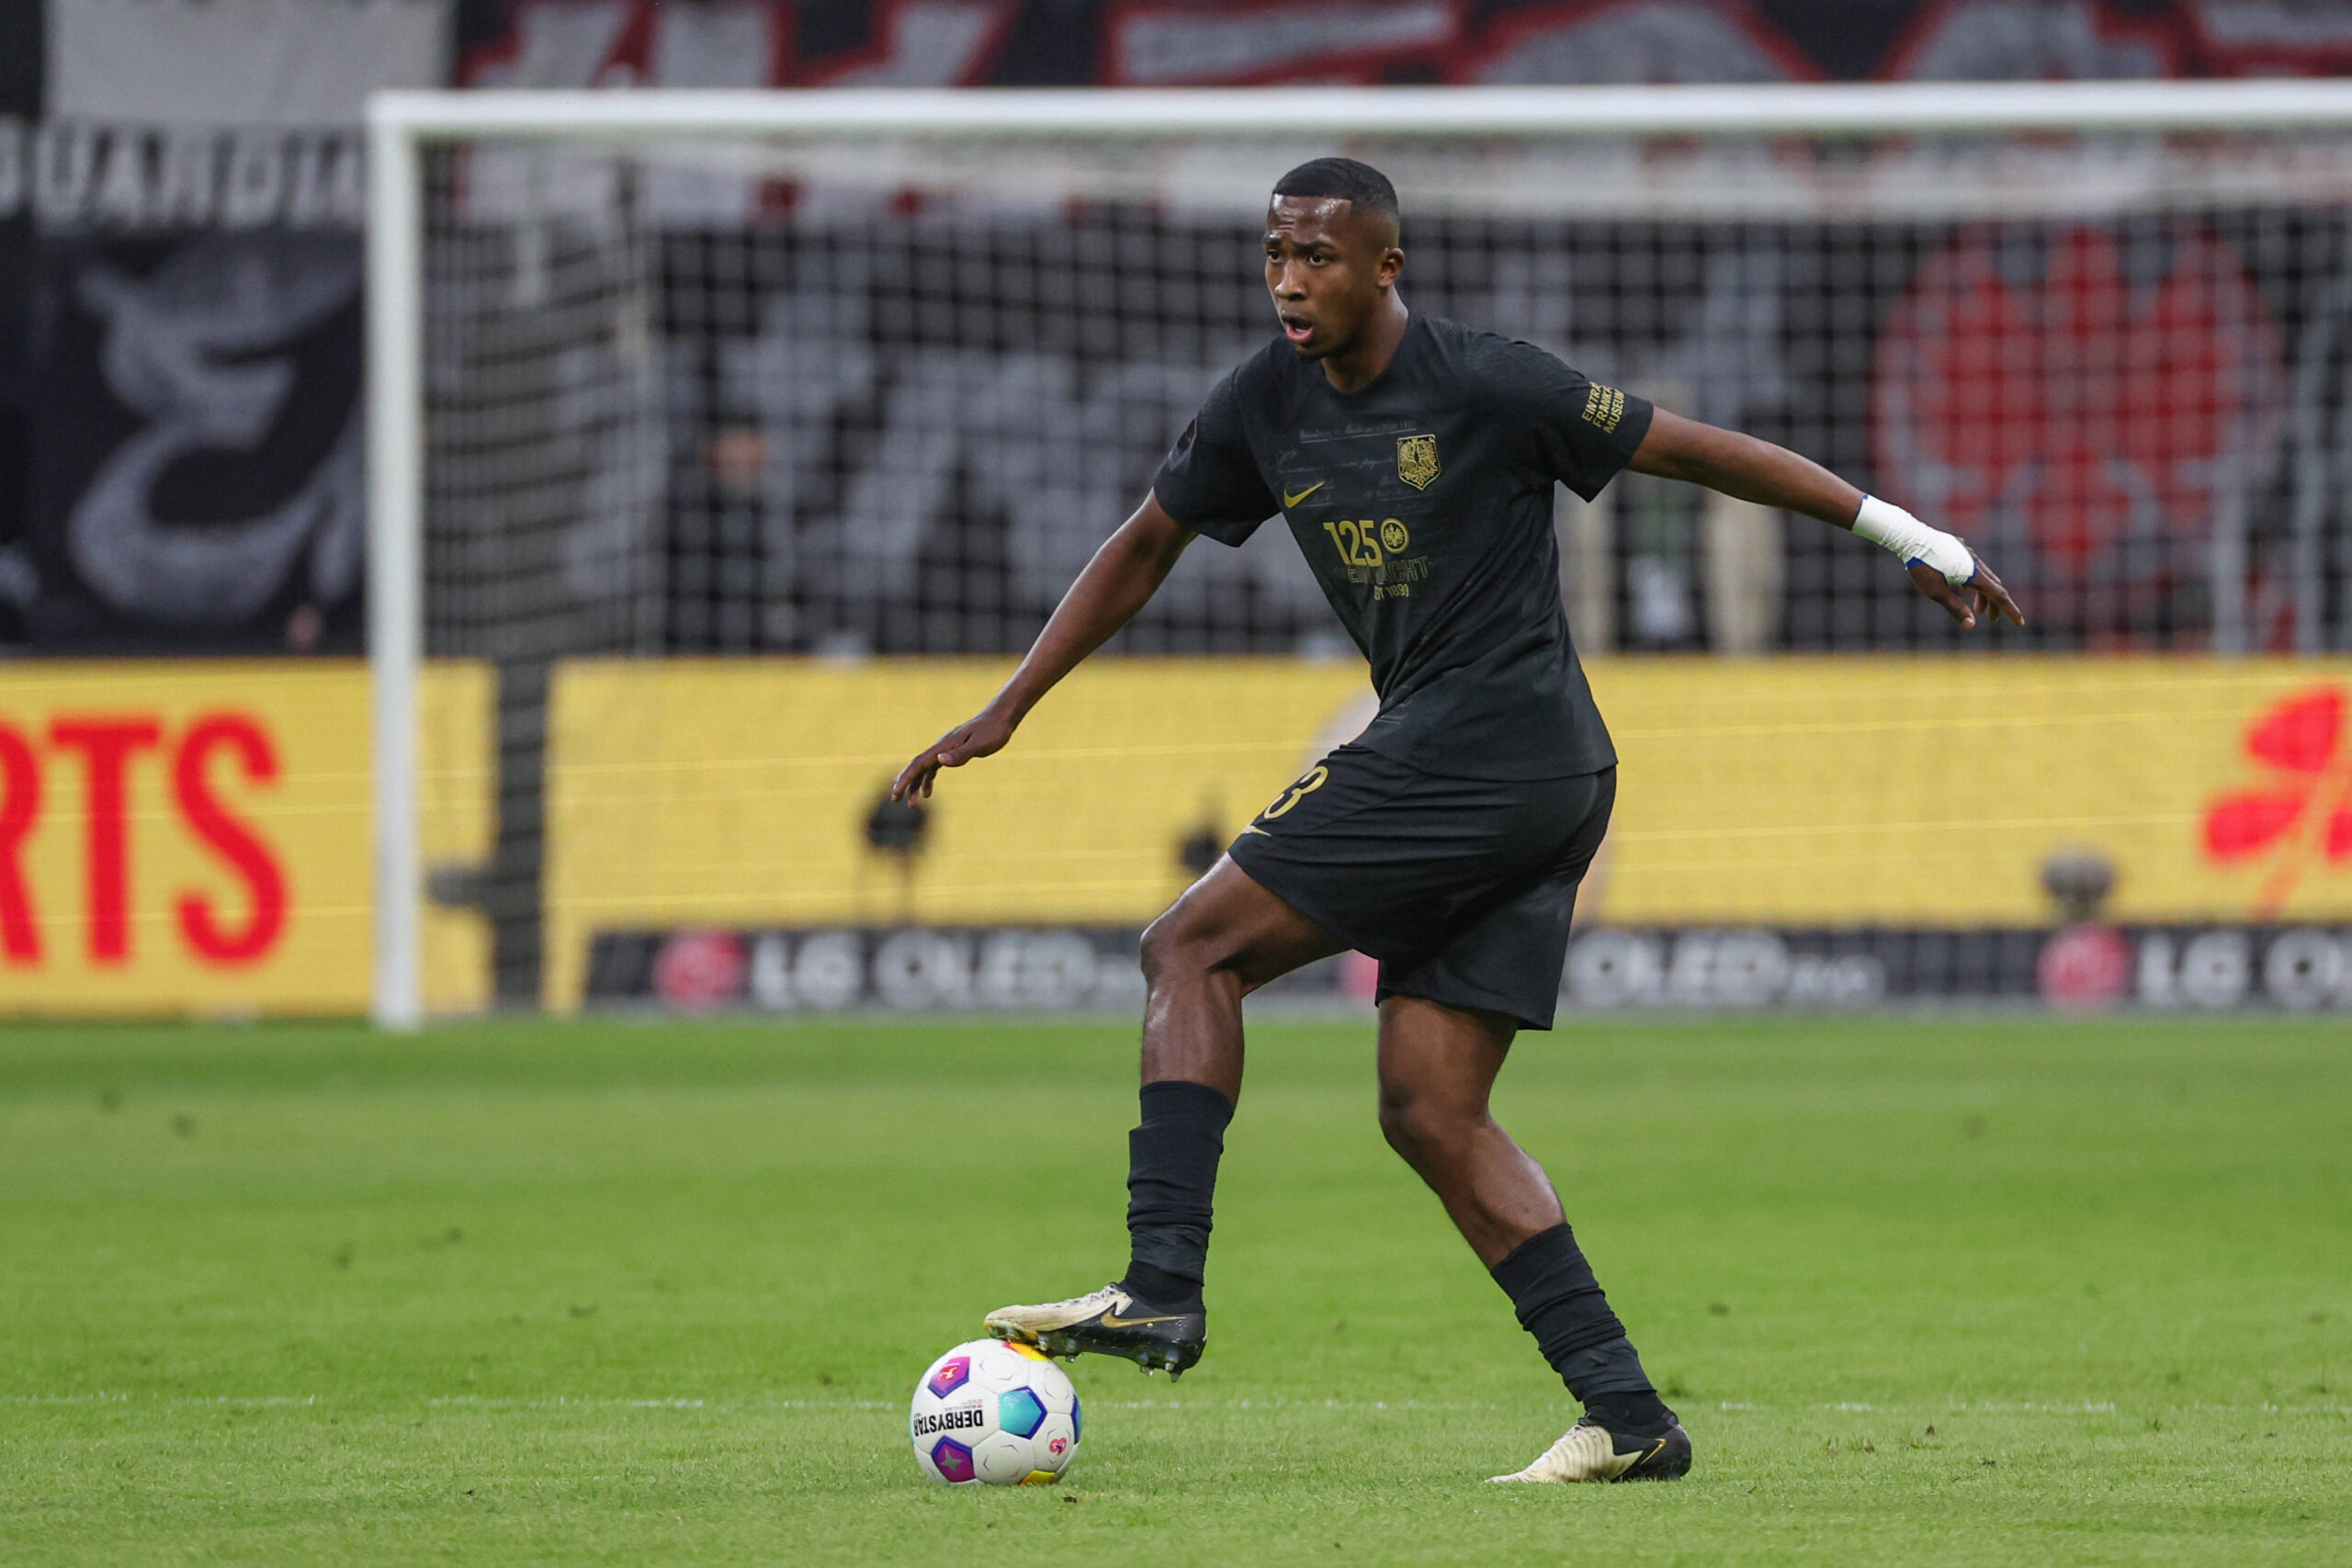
{"x": 1978, "y": 1292}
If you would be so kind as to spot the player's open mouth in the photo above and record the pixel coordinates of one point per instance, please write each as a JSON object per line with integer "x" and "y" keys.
{"x": 1296, "y": 330}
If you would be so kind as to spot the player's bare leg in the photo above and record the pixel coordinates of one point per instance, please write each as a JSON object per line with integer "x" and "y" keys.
{"x": 1437, "y": 1069}
{"x": 1224, "y": 938}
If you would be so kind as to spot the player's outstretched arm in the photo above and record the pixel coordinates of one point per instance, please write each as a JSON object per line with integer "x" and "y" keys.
{"x": 1121, "y": 579}
{"x": 1941, "y": 566}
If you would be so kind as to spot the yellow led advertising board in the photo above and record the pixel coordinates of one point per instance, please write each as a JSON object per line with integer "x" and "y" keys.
{"x": 193, "y": 837}
{"x": 1812, "y": 792}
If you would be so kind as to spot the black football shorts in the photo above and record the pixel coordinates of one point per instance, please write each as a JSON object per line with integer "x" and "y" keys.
{"x": 1461, "y": 888}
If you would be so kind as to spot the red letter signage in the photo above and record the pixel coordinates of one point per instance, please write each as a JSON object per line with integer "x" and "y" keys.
{"x": 232, "y": 840}
{"x": 19, "y": 806}
{"x": 106, "y": 745}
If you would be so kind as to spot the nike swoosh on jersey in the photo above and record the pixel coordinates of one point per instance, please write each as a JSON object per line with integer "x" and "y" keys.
{"x": 1260, "y": 831}
{"x": 1290, "y": 500}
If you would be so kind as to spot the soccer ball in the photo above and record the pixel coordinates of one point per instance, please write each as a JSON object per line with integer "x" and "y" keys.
{"x": 994, "y": 1413}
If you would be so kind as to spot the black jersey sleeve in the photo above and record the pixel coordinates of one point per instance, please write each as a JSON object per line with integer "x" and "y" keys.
{"x": 1580, "y": 432}
{"x": 1210, "y": 482}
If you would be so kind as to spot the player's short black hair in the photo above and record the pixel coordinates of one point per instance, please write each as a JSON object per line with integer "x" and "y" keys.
{"x": 1366, "y": 187}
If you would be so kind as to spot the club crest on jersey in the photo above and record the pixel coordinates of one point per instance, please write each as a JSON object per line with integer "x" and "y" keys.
{"x": 1417, "y": 460}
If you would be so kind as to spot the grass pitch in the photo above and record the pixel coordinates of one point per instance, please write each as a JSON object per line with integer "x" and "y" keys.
{"x": 1981, "y": 1291}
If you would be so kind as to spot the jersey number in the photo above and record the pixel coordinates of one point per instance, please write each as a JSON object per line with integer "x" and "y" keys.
{"x": 1359, "y": 543}
{"x": 1307, "y": 785}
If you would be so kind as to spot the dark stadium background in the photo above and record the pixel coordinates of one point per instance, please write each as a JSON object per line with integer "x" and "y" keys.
{"x": 60, "y": 416}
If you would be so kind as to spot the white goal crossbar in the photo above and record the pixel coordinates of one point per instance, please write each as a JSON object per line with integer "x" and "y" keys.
{"x": 401, "y": 125}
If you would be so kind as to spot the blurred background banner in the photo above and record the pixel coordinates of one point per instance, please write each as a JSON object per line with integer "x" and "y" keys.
{"x": 910, "y": 43}
{"x": 194, "y": 180}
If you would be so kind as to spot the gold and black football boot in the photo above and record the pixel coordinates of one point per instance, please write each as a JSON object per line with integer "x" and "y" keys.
{"x": 1108, "y": 1322}
{"x": 1590, "y": 1451}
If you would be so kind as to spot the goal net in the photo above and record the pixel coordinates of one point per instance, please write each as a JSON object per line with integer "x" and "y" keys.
{"x": 738, "y": 442}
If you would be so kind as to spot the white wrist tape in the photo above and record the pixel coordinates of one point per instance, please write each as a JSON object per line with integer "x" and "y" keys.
{"x": 1884, "y": 523}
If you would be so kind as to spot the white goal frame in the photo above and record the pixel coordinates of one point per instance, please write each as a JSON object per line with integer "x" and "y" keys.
{"x": 401, "y": 125}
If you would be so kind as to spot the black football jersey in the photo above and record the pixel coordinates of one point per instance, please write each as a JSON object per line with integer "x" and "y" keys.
{"x": 1423, "y": 503}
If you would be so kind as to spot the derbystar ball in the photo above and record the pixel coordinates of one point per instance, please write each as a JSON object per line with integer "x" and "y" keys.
{"x": 989, "y": 1412}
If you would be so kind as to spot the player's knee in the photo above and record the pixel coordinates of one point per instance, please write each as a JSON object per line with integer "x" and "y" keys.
{"x": 1395, "y": 1122}
{"x": 1169, "y": 948}
{"x": 1421, "y": 1127}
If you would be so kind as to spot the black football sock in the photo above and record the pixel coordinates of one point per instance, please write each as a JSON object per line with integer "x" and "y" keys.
{"x": 1553, "y": 1289}
{"x": 1159, "y": 1288}
{"x": 1635, "y": 1415}
{"x": 1171, "y": 1178}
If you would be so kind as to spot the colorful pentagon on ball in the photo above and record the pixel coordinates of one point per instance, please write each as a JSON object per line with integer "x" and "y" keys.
{"x": 949, "y": 1376}
{"x": 1074, "y": 1428}
{"x": 1019, "y": 1412}
{"x": 952, "y": 1459}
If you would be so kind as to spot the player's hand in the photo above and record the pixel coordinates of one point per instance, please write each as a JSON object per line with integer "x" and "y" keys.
{"x": 980, "y": 736}
{"x": 1980, "y": 597}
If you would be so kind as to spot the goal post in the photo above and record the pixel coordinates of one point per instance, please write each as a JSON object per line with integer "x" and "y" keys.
{"x": 395, "y": 557}
{"x": 553, "y": 415}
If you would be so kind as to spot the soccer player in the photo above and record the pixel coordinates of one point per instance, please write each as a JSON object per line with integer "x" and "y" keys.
{"x": 1414, "y": 460}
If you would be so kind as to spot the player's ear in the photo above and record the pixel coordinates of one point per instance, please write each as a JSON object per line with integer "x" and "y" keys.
{"x": 1392, "y": 263}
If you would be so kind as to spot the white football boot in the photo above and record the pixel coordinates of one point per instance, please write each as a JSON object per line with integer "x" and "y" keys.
{"x": 1587, "y": 1451}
